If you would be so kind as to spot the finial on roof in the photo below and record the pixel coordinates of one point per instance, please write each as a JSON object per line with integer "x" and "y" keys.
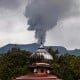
{"x": 41, "y": 43}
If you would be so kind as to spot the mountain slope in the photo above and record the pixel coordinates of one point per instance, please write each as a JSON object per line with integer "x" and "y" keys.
{"x": 33, "y": 47}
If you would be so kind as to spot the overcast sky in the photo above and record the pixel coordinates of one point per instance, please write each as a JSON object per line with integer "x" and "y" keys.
{"x": 13, "y": 27}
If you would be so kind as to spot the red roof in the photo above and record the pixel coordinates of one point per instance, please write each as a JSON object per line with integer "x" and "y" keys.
{"x": 38, "y": 77}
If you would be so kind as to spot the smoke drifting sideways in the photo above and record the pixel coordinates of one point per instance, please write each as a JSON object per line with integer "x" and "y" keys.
{"x": 43, "y": 15}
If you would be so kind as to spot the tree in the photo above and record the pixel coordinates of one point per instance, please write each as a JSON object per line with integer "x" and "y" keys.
{"x": 14, "y": 63}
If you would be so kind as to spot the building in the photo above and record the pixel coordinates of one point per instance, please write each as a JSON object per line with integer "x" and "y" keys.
{"x": 40, "y": 65}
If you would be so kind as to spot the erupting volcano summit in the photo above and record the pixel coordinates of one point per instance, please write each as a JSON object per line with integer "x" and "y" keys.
{"x": 40, "y": 65}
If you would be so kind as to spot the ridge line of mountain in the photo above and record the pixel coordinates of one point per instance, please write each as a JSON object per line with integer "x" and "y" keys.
{"x": 32, "y": 47}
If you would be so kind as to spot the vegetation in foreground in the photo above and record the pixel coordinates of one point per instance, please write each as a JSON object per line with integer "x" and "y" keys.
{"x": 15, "y": 63}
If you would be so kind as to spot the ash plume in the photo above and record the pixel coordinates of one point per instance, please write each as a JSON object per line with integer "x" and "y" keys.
{"x": 43, "y": 15}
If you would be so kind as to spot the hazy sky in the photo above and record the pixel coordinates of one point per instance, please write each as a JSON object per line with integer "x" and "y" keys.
{"x": 13, "y": 26}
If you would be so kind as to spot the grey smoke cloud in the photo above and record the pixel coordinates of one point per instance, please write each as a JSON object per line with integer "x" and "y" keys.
{"x": 43, "y": 15}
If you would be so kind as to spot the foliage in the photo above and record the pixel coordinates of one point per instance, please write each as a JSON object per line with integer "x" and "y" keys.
{"x": 15, "y": 63}
{"x": 66, "y": 66}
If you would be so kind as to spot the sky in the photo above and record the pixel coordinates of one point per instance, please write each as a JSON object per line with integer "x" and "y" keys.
{"x": 13, "y": 27}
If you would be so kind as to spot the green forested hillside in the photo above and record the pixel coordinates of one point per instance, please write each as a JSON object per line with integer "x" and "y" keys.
{"x": 15, "y": 63}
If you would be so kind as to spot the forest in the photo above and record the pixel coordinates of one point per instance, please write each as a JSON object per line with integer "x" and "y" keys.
{"x": 16, "y": 62}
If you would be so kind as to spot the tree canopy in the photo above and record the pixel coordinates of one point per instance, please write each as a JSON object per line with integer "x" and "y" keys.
{"x": 15, "y": 63}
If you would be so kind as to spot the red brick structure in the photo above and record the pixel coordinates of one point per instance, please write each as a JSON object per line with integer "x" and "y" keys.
{"x": 40, "y": 65}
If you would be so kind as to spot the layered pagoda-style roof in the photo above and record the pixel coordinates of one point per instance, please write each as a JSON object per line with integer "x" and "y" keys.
{"x": 40, "y": 65}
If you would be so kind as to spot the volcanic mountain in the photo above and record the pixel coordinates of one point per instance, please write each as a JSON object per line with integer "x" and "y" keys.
{"x": 33, "y": 47}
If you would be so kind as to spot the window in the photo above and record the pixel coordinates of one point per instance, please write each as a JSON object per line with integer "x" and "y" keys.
{"x": 42, "y": 70}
